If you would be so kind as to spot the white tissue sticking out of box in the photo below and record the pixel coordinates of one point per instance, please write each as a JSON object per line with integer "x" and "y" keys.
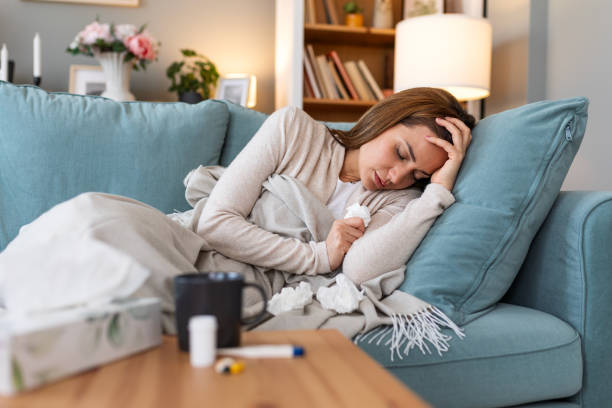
{"x": 360, "y": 211}
{"x": 343, "y": 297}
{"x": 290, "y": 299}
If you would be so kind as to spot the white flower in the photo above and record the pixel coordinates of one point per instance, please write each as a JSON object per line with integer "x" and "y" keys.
{"x": 123, "y": 31}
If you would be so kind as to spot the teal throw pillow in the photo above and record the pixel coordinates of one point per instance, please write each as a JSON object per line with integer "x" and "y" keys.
{"x": 54, "y": 146}
{"x": 510, "y": 177}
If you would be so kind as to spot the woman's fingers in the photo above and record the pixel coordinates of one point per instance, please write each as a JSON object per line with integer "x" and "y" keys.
{"x": 454, "y": 131}
{"x": 356, "y": 222}
{"x": 466, "y": 132}
{"x": 447, "y": 146}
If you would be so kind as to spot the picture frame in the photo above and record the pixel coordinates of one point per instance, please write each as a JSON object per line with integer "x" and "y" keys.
{"x": 120, "y": 3}
{"x": 415, "y": 8}
{"x": 234, "y": 89}
{"x": 86, "y": 80}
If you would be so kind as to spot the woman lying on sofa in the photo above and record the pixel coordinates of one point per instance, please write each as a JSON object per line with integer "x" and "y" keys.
{"x": 409, "y": 138}
{"x": 103, "y": 245}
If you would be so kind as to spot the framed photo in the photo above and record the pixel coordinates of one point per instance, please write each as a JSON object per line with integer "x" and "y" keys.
{"x": 234, "y": 89}
{"x": 86, "y": 80}
{"x": 124, "y": 3}
{"x": 415, "y": 8}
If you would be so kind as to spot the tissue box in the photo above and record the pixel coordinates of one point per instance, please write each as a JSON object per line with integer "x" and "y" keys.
{"x": 36, "y": 350}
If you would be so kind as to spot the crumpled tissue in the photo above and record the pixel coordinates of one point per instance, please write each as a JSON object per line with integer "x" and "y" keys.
{"x": 343, "y": 297}
{"x": 290, "y": 299}
{"x": 360, "y": 211}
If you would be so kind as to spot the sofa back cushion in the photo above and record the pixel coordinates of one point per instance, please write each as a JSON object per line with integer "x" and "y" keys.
{"x": 244, "y": 123}
{"x": 54, "y": 146}
{"x": 508, "y": 182}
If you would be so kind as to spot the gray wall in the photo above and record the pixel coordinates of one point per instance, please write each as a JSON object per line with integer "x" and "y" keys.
{"x": 237, "y": 35}
{"x": 573, "y": 43}
{"x": 509, "y": 65}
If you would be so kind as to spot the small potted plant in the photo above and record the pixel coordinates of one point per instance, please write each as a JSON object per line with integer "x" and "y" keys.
{"x": 193, "y": 77}
{"x": 354, "y": 14}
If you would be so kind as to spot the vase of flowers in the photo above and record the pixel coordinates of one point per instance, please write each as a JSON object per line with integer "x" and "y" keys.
{"x": 119, "y": 49}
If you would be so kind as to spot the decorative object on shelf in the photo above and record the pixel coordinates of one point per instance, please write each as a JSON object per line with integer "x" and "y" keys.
{"x": 354, "y": 14}
{"x": 415, "y": 8}
{"x": 86, "y": 80}
{"x": 238, "y": 88}
{"x": 119, "y": 49}
{"x": 4, "y": 64}
{"x": 123, "y": 3}
{"x": 464, "y": 40}
{"x": 383, "y": 14}
{"x": 192, "y": 78}
{"x": 36, "y": 60}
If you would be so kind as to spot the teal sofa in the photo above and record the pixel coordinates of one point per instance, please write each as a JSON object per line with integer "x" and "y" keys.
{"x": 543, "y": 345}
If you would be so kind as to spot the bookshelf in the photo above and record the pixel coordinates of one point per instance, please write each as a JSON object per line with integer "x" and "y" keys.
{"x": 374, "y": 46}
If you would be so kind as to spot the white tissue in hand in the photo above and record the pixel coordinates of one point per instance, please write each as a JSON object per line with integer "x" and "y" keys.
{"x": 290, "y": 299}
{"x": 360, "y": 211}
{"x": 343, "y": 297}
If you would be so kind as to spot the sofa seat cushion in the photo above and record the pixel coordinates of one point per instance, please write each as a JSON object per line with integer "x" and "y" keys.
{"x": 511, "y": 355}
{"x": 54, "y": 146}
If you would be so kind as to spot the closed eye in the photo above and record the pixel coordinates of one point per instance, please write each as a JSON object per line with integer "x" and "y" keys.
{"x": 399, "y": 154}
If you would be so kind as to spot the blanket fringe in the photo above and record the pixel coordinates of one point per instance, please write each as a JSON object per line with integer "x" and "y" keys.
{"x": 414, "y": 330}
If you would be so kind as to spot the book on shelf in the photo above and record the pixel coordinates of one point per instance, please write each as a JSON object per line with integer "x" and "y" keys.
{"x": 359, "y": 82}
{"x": 310, "y": 14}
{"x": 308, "y": 92}
{"x": 317, "y": 71}
{"x": 327, "y": 77}
{"x": 330, "y": 12}
{"x": 309, "y": 75}
{"x": 338, "y": 81}
{"x": 370, "y": 80}
{"x": 333, "y": 55}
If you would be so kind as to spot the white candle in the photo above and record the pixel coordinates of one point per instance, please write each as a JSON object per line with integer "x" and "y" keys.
{"x": 4, "y": 63}
{"x": 37, "y": 55}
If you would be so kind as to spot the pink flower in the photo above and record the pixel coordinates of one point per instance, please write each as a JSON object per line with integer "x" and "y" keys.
{"x": 141, "y": 45}
{"x": 95, "y": 31}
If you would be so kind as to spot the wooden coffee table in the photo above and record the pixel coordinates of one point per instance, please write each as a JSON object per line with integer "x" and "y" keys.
{"x": 334, "y": 373}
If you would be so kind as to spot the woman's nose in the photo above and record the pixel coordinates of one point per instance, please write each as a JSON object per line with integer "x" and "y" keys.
{"x": 397, "y": 175}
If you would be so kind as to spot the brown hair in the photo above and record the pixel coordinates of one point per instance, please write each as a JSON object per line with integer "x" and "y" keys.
{"x": 411, "y": 107}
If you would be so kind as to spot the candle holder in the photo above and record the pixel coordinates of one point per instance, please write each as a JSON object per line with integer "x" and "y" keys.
{"x": 37, "y": 81}
{"x": 11, "y": 70}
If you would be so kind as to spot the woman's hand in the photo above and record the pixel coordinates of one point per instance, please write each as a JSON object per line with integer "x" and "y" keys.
{"x": 462, "y": 136}
{"x": 340, "y": 238}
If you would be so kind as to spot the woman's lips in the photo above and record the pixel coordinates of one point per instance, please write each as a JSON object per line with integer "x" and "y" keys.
{"x": 378, "y": 181}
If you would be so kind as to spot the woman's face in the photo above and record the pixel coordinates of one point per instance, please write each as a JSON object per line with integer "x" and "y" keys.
{"x": 398, "y": 157}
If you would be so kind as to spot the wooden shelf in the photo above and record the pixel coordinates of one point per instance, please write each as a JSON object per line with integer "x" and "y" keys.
{"x": 337, "y": 110}
{"x": 343, "y": 104}
{"x": 359, "y": 36}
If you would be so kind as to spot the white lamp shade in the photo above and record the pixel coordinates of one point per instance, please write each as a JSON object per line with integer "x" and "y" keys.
{"x": 449, "y": 51}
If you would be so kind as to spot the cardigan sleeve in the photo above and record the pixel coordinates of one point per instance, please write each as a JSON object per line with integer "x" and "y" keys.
{"x": 223, "y": 223}
{"x": 394, "y": 233}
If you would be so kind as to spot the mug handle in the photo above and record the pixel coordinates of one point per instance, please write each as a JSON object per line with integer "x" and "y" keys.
{"x": 261, "y": 314}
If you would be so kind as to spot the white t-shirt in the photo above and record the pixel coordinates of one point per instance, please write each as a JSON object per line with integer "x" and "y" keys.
{"x": 337, "y": 202}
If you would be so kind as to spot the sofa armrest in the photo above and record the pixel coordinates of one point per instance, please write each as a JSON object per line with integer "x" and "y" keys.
{"x": 568, "y": 273}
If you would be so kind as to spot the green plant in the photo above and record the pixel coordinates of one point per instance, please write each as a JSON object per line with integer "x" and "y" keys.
{"x": 194, "y": 73}
{"x": 352, "y": 8}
